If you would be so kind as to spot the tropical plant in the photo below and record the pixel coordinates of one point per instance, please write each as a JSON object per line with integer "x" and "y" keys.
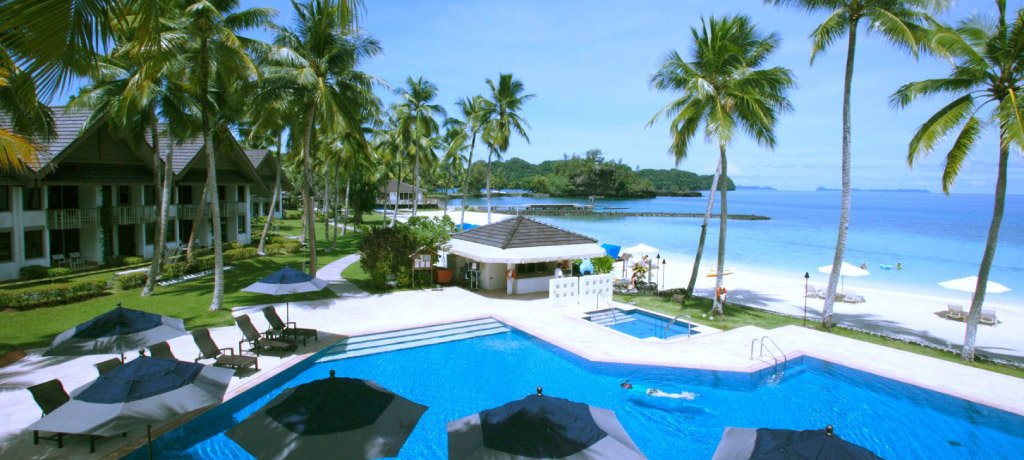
{"x": 418, "y": 123}
{"x": 453, "y": 144}
{"x": 474, "y": 111}
{"x": 315, "y": 61}
{"x": 501, "y": 118}
{"x": 900, "y": 22}
{"x": 725, "y": 87}
{"x": 214, "y": 53}
{"x": 987, "y": 69}
{"x": 28, "y": 119}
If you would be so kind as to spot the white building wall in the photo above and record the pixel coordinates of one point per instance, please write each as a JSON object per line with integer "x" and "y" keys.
{"x": 492, "y": 276}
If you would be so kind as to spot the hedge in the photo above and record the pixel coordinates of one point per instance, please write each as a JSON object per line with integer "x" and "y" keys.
{"x": 133, "y": 260}
{"x": 132, "y": 280}
{"x": 57, "y": 272}
{"x": 290, "y": 247}
{"x": 33, "y": 272}
{"x": 236, "y": 255}
{"x": 54, "y": 294}
{"x": 179, "y": 269}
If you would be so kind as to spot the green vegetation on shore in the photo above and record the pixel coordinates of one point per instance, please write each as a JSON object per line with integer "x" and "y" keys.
{"x": 739, "y": 316}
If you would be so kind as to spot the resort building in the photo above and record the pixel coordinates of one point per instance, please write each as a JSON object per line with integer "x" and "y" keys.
{"x": 266, "y": 164}
{"x": 400, "y": 194}
{"x": 518, "y": 255}
{"x": 91, "y": 196}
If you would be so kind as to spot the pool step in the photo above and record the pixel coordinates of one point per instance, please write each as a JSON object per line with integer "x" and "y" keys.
{"x": 410, "y": 338}
{"x": 608, "y": 318}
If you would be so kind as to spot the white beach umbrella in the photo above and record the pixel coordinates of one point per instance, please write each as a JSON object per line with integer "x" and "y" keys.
{"x": 969, "y": 283}
{"x": 846, "y": 269}
{"x": 641, "y": 249}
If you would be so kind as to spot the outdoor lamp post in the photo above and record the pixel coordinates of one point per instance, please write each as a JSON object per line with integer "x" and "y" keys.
{"x": 664, "y": 263}
{"x": 807, "y": 277}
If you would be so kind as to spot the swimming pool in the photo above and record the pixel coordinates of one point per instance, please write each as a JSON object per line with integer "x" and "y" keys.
{"x": 642, "y": 324}
{"x": 455, "y": 379}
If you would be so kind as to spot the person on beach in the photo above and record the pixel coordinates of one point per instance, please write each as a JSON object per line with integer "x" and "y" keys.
{"x": 899, "y": 266}
{"x": 864, "y": 266}
{"x": 660, "y": 394}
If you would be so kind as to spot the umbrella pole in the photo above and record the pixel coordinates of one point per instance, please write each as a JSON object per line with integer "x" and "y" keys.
{"x": 287, "y": 311}
{"x": 149, "y": 439}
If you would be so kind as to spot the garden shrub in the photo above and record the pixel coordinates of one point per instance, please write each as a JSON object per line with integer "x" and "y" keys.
{"x": 386, "y": 251}
{"x": 57, "y": 272}
{"x": 32, "y": 272}
{"x": 602, "y": 265}
{"x": 236, "y": 255}
{"x": 132, "y": 280}
{"x": 114, "y": 261}
{"x": 133, "y": 260}
{"x": 54, "y": 294}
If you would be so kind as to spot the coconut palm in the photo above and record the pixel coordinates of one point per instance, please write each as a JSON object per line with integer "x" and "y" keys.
{"x": 474, "y": 109}
{"x": 987, "y": 69}
{"x": 315, "y": 61}
{"x": 725, "y": 87}
{"x": 269, "y": 114}
{"x": 419, "y": 114}
{"x": 501, "y": 118}
{"x": 28, "y": 119}
{"x": 453, "y": 144}
{"x": 900, "y": 22}
{"x": 214, "y": 52}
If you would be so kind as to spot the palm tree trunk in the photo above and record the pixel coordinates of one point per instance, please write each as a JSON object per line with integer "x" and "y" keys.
{"x": 489, "y": 155}
{"x": 415, "y": 193}
{"x": 844, "y": 213}
{"x": 986, "y": 260}
{"x": 273, "y": 198}
{"x": 327, "y": 203}
{"x": 703, "y": 233}
{"x": 337, "y": 199}
{"x": 196, "y": 221}
{"x": 307, "y": 198}
{"x": 211, "y": 182}
{"x": 398, "y": 194}
{"x": 344, "y": 218}
{"x": 165, "y": 200}
{"x": 723, "y": 217}
{"x": 465, "y": 188}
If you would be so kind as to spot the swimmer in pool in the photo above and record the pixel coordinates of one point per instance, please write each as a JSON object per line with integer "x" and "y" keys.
{"x": 660, "y": 394}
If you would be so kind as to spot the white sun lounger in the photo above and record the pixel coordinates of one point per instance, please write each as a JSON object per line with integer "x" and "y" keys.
{"x": 954, "y": 311}
{"x": 988, "y": 317}
{"x": 853, "y": 297}
{"x": 812, "y": 291}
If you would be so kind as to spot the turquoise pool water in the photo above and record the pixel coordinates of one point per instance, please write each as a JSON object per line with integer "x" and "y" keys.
{"x": 455, "y": 379}
{"x": 644, "y": 325}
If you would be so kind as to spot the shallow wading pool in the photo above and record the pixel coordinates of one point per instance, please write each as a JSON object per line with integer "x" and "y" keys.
{"x": 456, "y": 379}
{"x": 642, "y": 324}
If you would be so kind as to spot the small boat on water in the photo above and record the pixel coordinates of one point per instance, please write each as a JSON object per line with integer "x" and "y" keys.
{"x": 885, "y": 267}
{"x": 714, "y": 272}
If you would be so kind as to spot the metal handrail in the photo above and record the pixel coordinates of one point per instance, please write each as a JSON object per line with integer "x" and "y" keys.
{"x": 664, "y": 333}
{"x": 763, "y": 342}
{"x": 597, "y": 306}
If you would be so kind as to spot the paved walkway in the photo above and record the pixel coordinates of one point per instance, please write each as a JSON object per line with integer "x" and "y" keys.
{"x": 357, "y": 312}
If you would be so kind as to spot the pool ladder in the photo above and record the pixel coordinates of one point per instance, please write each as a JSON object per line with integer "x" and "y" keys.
{"x": 597, "y": 306}
{"x": 766, "y": 343}
{"x": 689, "y": 324}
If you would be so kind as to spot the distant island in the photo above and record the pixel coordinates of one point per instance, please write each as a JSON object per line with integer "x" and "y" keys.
{"x": 893, "y": 190}
{"x": 587, "y": 175}
{"x": 756, "y": 187}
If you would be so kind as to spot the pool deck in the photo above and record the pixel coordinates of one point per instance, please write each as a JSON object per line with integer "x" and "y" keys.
{"x": 357, "y": 313}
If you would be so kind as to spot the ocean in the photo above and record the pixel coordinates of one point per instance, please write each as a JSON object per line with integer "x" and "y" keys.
{"x": 934, "y": 237}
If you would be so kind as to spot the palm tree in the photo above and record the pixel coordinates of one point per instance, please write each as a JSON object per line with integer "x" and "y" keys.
{"x": 898, "y": 21}
{"x": 724, "y": 87}
{"x": 473, "y": 109}
{"x": 453, "y": 144}
{"x": 269, "y": 115}
{"x": 501, "y": 118}
{"x": 214, "y": 52}
{"x": 29, "y": 120}
{"x": 419, "y": 115}
{"x": 987, "y": 68}
{"x": 315, "y": 62}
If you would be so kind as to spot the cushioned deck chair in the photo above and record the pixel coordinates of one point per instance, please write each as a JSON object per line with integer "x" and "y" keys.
{"x": 988, "y": 317}
{"x": 49, "y": 396}
{"x": 281, "y": 329}
{"x": 256, "y": 340}
{"x": 108, "y": 365}
{"x": 954, "y": 311}
{"x": 162, "y": 350}
{"x": 853, "y": 297}
{"x": 812, "y": 291}
{"x": 209, "y": 350}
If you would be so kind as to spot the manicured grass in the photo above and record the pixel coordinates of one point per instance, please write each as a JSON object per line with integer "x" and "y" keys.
{"x": 738, "y": 316}
{"x": 189, "y": 300}
{"x": 355, "y": 274}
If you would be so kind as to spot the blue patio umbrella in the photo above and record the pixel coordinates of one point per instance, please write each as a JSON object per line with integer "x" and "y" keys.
{"x": 612, "y": 250}
{"x": 287, "y": 281}
{"x": 541, "y": 427}
{"x": 336, "y": 417}
{"x": 116, "y": 331}
{"x": 775, "y": 444}
{"x": 144, "y": 391}
{"x": 467, "y": 227}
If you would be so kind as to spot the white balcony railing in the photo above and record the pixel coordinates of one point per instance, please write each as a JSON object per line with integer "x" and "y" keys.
{"x": 62, "y": 219}
{"x": 227, "y": 209}
{"x": 232, "y": 208}
{"x": 129, "y": 215}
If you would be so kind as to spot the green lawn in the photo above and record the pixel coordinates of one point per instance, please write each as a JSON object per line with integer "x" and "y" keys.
{"x": 355, "y": 274}
{"x": 737, "y": 316}
{"x": 189, "y": 300}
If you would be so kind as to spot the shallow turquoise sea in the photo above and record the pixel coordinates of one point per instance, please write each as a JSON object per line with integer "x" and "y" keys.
{"x": 935, "y": 237}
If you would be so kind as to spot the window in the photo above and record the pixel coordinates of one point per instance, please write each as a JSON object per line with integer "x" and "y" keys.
{"x": 5, "y": 198}
{"x": 150, "y": 231}
{"x": 62, "y": 197}
{"x": 185, "y": 194}
{"x": 32, "y": 198}
{"x": 220, "y": 193}
{"x": 149, "y": 195}
{"x": 170, "y": 236}
{"x": 6, "y": 250}
{"x": 184, "y": 230}
{"x": 241, "y": 224}
{"x": 240, "y": 194}
{"x": 124, "y": 195}
{"x": 64, "y": 241}
{"x": 33, "y": 244}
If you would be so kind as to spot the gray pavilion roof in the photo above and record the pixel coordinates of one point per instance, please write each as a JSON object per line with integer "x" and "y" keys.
{"x": 521, "y": 232}
{"x": 256, "y": 156}
{"x": 394, "y": 184}
{"x": 184, "y": 152}
{"x": 69, "y": 124}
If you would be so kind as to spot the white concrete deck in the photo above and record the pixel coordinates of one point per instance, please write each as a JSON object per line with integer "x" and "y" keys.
{"x": 358, "y": 313}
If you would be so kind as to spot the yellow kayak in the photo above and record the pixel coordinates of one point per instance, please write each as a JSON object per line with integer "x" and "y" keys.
{"x": 714, "y": 272}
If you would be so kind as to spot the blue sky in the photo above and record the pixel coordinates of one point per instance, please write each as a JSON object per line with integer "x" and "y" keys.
{"x": 588, "y": 63}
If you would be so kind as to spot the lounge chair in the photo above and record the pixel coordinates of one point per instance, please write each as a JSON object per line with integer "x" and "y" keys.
{"x": 954, "y": 311}
{"x": 853, "y": 297}
{"x": 988, "y": 317}
{"x": 108, "y": 365}
{"x": 281, "y": 329}
{"x": 812, "y": 291}
{"x": 209, "y": 350}
{"x": 162, "y": 350}
{"x": 49, "y": 396}
{"x": 256, "y": 340}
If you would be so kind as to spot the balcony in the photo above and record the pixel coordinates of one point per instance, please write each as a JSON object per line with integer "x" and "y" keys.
{"x": 62, "y": 219}
{"x": 232, "y": 208}
{"x": 130, "y": 215}
{"x": 227, "y": 209}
